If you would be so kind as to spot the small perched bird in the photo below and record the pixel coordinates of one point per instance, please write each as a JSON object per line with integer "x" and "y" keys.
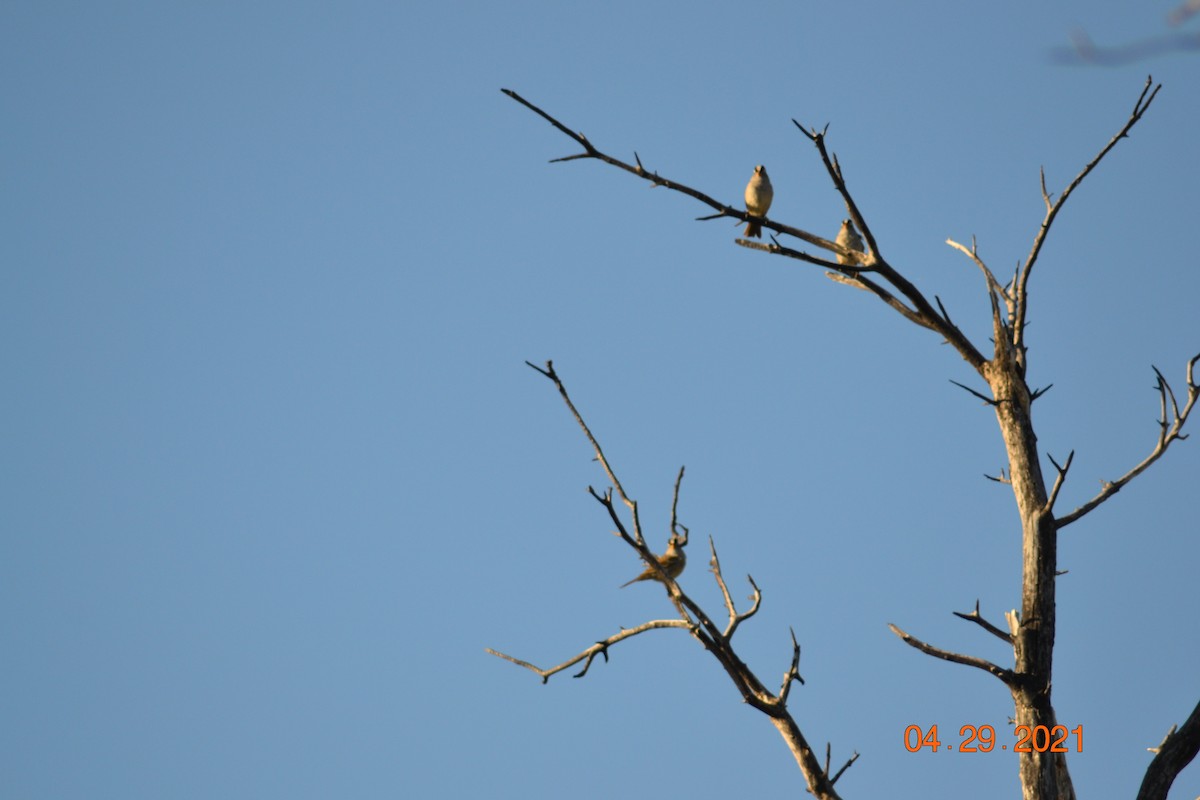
{"x": 672, "y": 561}
{"x": 759, "y": 195}
{"x": 848, "y": 237}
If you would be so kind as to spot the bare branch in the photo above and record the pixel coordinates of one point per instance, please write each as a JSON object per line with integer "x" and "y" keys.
{"x": 989, "y": 400}
{"x": 631, "y": 504}
{"x": 993, "y": 285}
{"x": 1176, "y": 751}
{"x": 1004, "y": 675}
{"x": 599, "y": 648}
{"x": 606, "y": 501}
{"x": 793, "y": 671}
{"x": 1036, "y": 393}
{"x": 1058, "y": 482}
{"x": 1169, "y": 431}
{"x": 723, "y": 210}
{"x": 922, "y": 312}
{"x": 835, "y": 172}
{"x": 849, "y": 763}
{"x": 735, "y": 619}
{"x": 1003, "y": 477}
{"x": 1021, "y": 290}
{"x": 675, "y": 526}
{"x": 978, "y": 619}
{"x": 853, "y": 270}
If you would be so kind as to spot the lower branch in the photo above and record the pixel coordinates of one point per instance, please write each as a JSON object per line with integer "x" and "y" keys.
{"x": 665, "y": 570}
{"x": 1177, "y": 750}
{"x": 599, "y": 648}
{"x": 1005, "y": 675}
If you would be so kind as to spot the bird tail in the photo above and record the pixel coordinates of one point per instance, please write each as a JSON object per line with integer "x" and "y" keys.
{"x": 626, "y": 583}
{"x": 754, "y": 230}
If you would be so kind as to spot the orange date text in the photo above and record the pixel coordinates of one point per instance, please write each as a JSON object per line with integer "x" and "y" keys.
{"x": 982, "y": 739}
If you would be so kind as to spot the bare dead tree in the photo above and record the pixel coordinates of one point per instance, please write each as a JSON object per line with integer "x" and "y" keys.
{"x": 1031, "y": 631}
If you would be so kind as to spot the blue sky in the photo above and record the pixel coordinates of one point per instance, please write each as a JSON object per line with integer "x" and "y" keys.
{"x": 275, "y": 473}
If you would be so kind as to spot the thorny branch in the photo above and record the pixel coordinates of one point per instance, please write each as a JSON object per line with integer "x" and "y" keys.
{"x": 1168, "y": 432}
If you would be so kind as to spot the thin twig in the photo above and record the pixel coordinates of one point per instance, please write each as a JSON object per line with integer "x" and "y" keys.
{"x": 923, "y": 315}
{"x": 978, "y": 619}
{"x": 1169, "y": 431}
{"x": 675, "y": 526}
{"x": 599, "y": 648}
{"x": 562, "y": 390}
{"x": 1058, "y": 481}
{"x": 1007, "y": 676}
{"x": 722, "y": 209}
{"x": 793, "y": 670}
{"x": 989, "y": 400}
{"x": 849, "y": 763}
{"x": 1021, "y": 293}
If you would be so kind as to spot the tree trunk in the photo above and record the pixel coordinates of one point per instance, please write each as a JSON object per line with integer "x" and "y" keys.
{"x": 1044, "y": 775}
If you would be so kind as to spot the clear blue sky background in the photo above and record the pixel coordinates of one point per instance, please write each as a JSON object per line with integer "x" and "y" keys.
{"x": 274, "y": 472}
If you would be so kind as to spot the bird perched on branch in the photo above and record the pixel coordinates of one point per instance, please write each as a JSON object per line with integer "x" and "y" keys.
{"x": 759, "y": 195}
{"x": 672, "y": 561}
{"x": 848, "y": 237}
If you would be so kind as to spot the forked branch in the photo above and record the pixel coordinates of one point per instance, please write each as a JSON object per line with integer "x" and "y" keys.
{"x": 695, "y": 621}
{"x": 920, "y": 312}
{"x": 599, "y": 648}
{"x": 630, "y": 503}
{"x": 1021, "y": 289}
{"x": 978, "y": 619}
{"x": 723, "y": 210}
{"x": 1170, "y": 429}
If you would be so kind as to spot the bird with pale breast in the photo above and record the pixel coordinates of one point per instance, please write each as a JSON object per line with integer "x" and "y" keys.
{"x": 672, "y": 562}
{"x": 848, "y": 237}
{"x": 759, "y": 195}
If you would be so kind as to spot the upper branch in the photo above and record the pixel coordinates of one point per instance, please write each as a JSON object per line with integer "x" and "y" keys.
{"x": 631, "y": 504}
{"x": 921, "y": 307}
{"x": 922, "y": 313}
{"x": 590, "y": 151}
{"x": 1052, "y": 208}
{"x": 1169, "y": 431}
